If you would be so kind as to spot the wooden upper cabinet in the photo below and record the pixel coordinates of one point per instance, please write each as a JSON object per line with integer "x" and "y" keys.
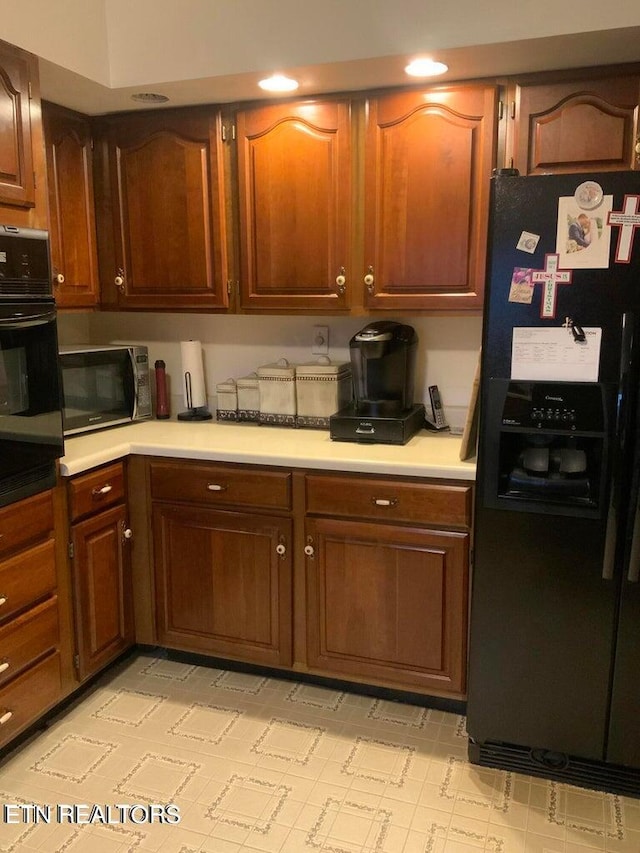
{"x": 17, "y": 184}
{"x": 576, "y": 125}
{"x": 294, "y": 163}
{"x": 72, "y": 227}
{"x": 162, "y": 181}
{"x": 428, "y": 160}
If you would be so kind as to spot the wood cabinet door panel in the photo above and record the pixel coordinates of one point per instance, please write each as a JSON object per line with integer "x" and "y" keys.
{"x": 17, "y": 185}
{"x": 31, "y": 694}
{"x": 166, "y": 175}
{"x": 389, "y": 500}
{"x": 295, "y": 198}
{"x": 214, "y": 484}
{"x": 25, "y": 521}
{"x": 102, "y": 583}
{"x": 27, "y": 577}
{"x": 71, "y": 207}
{"x": 221, "y": 585}
{"x": 428, "y": 161}
{"x": 388, "y": 603}
{"x": 574, "y": 126}
{"x": 28, "y": 638}
{"x": 96, "y": 490}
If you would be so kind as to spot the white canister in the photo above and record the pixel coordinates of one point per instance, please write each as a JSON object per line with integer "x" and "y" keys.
{"x": 322, "y": 388}
{"x": 248, "y": 398}
{"x": 277, "y": 387}
{"x": 227, "y": 401}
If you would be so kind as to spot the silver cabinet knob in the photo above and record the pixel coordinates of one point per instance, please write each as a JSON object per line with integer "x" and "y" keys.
{"x": 127, "y": 533}
{"x": 281, "y": 550}
{"x": 309, "y": 550}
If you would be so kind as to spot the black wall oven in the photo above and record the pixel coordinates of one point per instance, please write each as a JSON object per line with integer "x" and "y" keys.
{"x": 31, "y": 437}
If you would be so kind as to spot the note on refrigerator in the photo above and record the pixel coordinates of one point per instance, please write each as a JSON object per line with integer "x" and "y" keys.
{"x": 554, "y": 354}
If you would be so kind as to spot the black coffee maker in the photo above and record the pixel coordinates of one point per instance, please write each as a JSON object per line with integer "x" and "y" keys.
{"x": 383, "y": 357}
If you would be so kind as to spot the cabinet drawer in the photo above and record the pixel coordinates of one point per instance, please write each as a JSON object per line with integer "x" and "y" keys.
{"x": 221, "y": 484}
{"x": 27, "y": 638}
{"x": 391, "y": 500}
{"x": 26, "y": 578}
{"x": 25, "y": 521}
{"x": 96, "y": 490}
{"x": 31, "y": 694}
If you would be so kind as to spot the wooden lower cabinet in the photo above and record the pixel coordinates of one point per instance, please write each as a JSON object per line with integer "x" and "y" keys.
{"x": 387, "y": 603}
{"x": 31, "y": 677}
{"x": 357, "y": 577}
{"x": 101, "y": 568}
{"x": 223, "y": 582}
{"x": 102, "y": 581}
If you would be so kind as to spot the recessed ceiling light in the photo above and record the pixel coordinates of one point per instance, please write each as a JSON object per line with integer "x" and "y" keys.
{"x": 425, "y": 68}
{"x": 278, "y": 83}
{"x": 149, "y": 98}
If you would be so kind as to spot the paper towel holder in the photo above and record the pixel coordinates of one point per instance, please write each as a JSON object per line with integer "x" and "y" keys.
{"x": 193, "y": 385}
{"x": 193, "y": 413}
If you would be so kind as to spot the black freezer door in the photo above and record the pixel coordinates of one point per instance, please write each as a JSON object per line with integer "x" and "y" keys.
{"x": 624, "y": 728}
{"x": 553, "y": 660}
{"x": 542, "y": 633}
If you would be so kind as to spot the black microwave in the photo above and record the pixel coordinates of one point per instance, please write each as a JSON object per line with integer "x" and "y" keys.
{"x": 104, "y": 386}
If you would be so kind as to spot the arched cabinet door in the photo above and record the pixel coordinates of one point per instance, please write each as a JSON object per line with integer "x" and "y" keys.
{"x": 72, "y": 227}
{"x": 588, "y": 125}
{"x": 163, "y": 188}
{"x": 294, "y": 174}
{"x": 17, "y": 71}
{"x": 428, "y": 161}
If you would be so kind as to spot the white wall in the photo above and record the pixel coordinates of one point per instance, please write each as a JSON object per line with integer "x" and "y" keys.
{"x": 234, "y": 36}
{"x": 120, "y": 42}
{"x": 72, "y": 33}
{"x": 234, "y": 346}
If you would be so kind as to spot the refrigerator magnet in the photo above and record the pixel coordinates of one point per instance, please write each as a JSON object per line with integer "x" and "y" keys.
{"x": 627, "y": 220}
{"x": 550, "y": 277}
{"x": 583, "y": 237}
{"x": 522, "y": 287}
{"x": 588, "y": 195}
{"x": 528, "y": 242}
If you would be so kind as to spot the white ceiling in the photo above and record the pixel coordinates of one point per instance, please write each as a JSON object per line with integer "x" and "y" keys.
{"x": 95, "y": 53}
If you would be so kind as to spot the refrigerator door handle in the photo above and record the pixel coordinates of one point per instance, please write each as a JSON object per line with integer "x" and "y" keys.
{"x": 608, "y": 561}
{"x": 611, "y": 535}
{"x": 633, "y": 573}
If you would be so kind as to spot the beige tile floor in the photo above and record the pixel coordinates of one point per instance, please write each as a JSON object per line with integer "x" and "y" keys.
{"x": 260, "y": 764}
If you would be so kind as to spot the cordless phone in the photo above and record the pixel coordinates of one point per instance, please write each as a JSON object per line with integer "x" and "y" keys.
{"x": 439, "y": 420}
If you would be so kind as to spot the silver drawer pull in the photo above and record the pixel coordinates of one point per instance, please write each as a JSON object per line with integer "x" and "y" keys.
{"x": 384, "y": 501}
{"x": 103, "y": 490}
{"x": 6, "y": 717}
{"x": 365, "y": 430}
{"x": 216, "y": 487}
{"x": 4, "y": 666}
{"x": 3, "y": 600}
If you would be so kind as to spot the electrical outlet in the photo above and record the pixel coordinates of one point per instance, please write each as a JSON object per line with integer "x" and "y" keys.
{"x": 320, "y": 340}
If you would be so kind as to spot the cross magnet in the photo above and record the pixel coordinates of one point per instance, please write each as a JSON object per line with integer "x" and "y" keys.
{"x": 628, "y": 219}
{"x": 550, "y": 276}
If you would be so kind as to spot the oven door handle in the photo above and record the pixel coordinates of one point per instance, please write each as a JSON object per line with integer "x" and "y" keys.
{"x": 25, "y": 321}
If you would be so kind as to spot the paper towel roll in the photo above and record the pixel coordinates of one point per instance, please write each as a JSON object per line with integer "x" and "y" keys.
{"x": 195, "y": 394}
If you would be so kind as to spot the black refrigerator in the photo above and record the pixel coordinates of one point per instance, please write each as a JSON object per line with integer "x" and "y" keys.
{"x": 554, "y": 663}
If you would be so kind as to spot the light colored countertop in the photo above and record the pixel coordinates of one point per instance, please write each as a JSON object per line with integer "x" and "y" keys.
{"x": 425, "y": 455}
